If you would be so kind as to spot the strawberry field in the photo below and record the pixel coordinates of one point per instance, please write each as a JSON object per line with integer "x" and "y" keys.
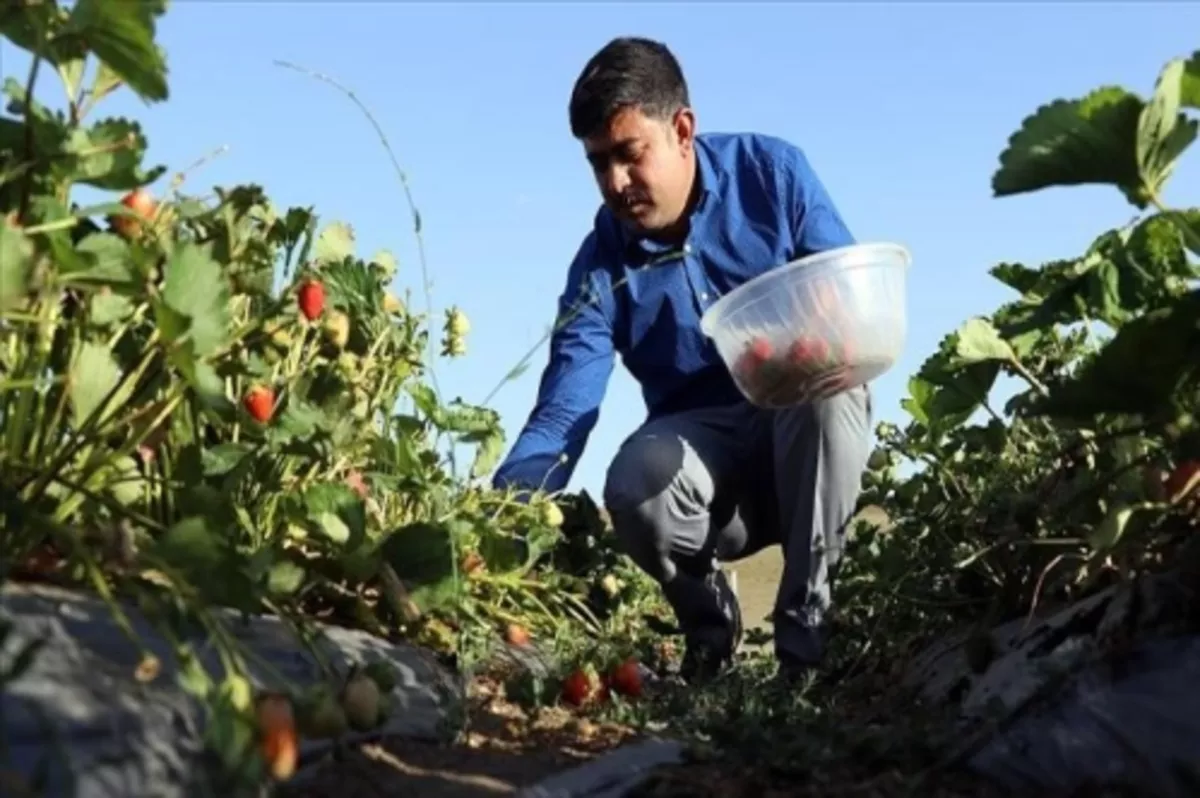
{"x": 211, "y": 403}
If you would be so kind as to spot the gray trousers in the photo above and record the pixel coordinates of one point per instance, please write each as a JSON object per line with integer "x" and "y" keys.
{"x": 690, "y": 490}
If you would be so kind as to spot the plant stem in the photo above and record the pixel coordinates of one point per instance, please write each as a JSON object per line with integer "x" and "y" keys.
{"x": 30, "y": 143}
{"x": 1019, "y": 367}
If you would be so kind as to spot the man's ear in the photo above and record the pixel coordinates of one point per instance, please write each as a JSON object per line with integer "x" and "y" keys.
{"x": 684, "y": 128}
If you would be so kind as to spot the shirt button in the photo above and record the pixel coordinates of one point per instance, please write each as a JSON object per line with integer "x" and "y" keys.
{"x": 704, "y": 297}
{"x": 687, "y": 248}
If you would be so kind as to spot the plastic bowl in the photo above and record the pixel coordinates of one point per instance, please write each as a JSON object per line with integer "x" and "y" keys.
{"x": 814, "y": 327}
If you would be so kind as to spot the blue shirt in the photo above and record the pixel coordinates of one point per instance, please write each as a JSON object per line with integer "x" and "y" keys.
{"x": 761, "y": 205}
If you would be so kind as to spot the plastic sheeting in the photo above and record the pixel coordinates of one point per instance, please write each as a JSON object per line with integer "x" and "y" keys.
{"x": 78, "y": 713}
{"x": 1140, "y": 730}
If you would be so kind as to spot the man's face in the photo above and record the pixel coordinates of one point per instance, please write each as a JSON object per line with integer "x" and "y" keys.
{"x": 644, "y": 167}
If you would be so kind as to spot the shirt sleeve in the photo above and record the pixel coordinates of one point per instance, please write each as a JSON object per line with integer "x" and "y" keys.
{"x": 817, "y": 225}
{"x": 573, "y": 384}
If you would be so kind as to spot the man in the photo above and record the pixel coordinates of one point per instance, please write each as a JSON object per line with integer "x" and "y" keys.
{"x": 708, "y": 477}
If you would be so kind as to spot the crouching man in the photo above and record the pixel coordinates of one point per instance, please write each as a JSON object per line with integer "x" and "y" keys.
{"x": 707, "y": 478}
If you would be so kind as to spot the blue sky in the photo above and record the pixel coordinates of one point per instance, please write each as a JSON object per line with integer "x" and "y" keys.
{"x": 902, "y": 109}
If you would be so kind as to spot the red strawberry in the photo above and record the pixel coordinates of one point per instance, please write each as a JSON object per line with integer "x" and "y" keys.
{"x": 141, "y": 202}
{"x": 311, "y": 298}
{"x": 808, "y": 353}
{"x": 354, "y": 481}
{"x": 516, "y": 635}
{"x": 579, "y": 687}
{"x": 1184, "y": 480}
{"x": 755, "y": 355}
{"x": 626, "y": 678}
{"x": 260, "y": 403}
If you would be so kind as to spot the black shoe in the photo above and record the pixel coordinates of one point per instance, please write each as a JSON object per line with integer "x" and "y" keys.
{"x": 711, "y": 648}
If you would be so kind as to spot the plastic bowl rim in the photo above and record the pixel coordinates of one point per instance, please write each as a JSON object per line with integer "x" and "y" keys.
{"x": 826, "y": 257}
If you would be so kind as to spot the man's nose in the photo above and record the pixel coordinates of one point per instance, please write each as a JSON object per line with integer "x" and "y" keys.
{"x": 615, "y": 180}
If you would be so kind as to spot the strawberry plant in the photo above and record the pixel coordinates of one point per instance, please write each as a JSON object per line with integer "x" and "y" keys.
{"x": 998, "y": 510}
{"x": 209, "y": 401}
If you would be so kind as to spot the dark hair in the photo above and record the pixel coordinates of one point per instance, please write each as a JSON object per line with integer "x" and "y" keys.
{"x": 628, "y": 71}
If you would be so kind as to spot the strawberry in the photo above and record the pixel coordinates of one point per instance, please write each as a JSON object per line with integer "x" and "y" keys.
{"x": 383, "y": 673}
{"x": 552, "y": 516}
{"x": 472, "y": 563}
{"x": 141, "y": 202}
{"x": 756, "y": 354}
{"x": 626, "y": 678}
{"x": 277, "y": 735}
{"x": 355, "y": 482}
{"x": 808, "y": 353}
{"x": 579, "y": 687}
{"x": 260, "y": 403}
{"x": 392, "y": 303}
{"x": 610, "y": 586}
{"x": 1184, "y": 480}
{"x": 337, "y": 329}
{"x": 516, "y": 635}
{"x": 360, "y": 700}
{"x": 322, "y": 717}
{"x": 311, "y": 298}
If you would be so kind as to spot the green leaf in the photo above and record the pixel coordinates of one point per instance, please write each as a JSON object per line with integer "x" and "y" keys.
{"x": 337, "y": 511}
{"x": 16, "y": 264}
{"x": 422, "y": 555}
{"x": 978, "y": 341}
{"x": 26, "y": 25}
{"x": 192, "y": 546}
{"x": 425, "y": 400}
{"x": 122, "y": 37}
{"x": 109, "y": 308}
{"x": 1109, "y": 532}
{"x": 202, "y": 553}
{"x": 125, "y": 482}
{"x": 71, "y": 72}
{"x": 1189, "y": 83}
{"x": 1075, "y": 142}
{"x": 109, "y": 154}
{"x": 949, "y": 400}
{"x": 1188, "y": 224}
{"x": 221, "y": 459}
{"x": 386, "y": 263}
{"x": 1163, "y": 133}
{"x": 488, "y": 454}
{"x": 105, "y": 82}
{"x": 1016, "y": 276}
{"x": 1153, "y": 263}
{"x": 94, "y": 374}
{"x": 195, "y": 288}
{"x": 468, "y": 420}
{"x": 101, "y": 258}
{"x": 285, "y": 578}
{"x": 501, "y": 552}
{"x": 333, "y": 527}
{"x": 1141, "y": 370}
{"x": 299, "y": 420}
{"x": 201, "y": 376}
{"x": 334, "y": 244}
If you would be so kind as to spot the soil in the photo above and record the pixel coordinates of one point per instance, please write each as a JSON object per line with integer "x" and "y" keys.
{"x": 503, "y": 751}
